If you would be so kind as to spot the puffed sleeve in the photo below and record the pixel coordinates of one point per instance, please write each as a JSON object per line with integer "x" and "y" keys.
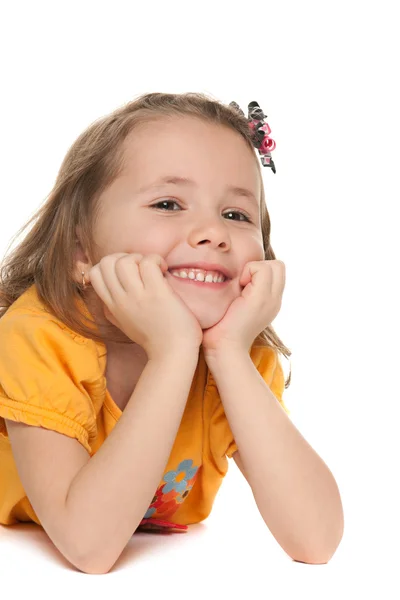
{"x": 48, "y": 376}
{"x": 267, "y": 363}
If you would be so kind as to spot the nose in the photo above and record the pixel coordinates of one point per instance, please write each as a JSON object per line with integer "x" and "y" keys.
{"x": 211, "y": 231}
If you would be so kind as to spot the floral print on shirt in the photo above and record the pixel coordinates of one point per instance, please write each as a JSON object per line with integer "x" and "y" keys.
{"x": 169, "y": 496}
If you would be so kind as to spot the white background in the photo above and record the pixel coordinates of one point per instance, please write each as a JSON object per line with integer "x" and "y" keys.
{"x": 326, "y": 74}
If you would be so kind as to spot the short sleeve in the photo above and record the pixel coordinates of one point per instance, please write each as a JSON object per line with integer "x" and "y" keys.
{"x": 45, "y": 377}
{"x": 267, "y": 362}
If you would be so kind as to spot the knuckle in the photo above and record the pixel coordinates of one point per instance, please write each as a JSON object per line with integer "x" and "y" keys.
{"x": 149, "y": 258}
{"x": 132, "y": 256}
{"x": 120, "y": 257}
{"x": 106, "y": 260}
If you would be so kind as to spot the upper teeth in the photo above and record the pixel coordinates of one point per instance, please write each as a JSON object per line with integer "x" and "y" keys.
{"x": 199, "y": 275}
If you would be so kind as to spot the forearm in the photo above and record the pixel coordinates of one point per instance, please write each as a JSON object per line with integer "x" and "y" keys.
{"x": 110, "y": 495}
{"x": 295, "y": 491}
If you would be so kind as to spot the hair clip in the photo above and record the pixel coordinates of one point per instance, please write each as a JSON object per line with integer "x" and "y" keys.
{"x": 261, "y": 130}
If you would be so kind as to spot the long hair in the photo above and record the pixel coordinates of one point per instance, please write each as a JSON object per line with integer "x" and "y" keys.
{"x": 46, "y": 255}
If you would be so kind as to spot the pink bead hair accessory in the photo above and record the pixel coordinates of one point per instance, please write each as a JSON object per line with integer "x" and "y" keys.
{"x": 261, "y": 130}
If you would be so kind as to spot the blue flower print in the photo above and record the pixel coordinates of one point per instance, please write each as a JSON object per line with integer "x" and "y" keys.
{"x": 180, "y": 498}
{"x": 171, "y": 476}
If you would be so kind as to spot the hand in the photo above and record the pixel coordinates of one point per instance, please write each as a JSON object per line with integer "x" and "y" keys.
{"x": 141, "y": 303}
{"x": 255, "y": 309}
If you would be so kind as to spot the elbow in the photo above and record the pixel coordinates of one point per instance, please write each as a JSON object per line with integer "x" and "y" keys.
{"x": 87, "y": 558}
{"x": 321, "y": 555}
{"x": 90, "y": 562}
{"x": 326, "y": 542}
{"x": 94, "y": 569}
{"x": 313, "y": 558}
{"x": 93, "y": 566}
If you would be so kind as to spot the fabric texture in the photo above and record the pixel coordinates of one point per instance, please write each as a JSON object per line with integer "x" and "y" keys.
{"x": 52, "y": 377}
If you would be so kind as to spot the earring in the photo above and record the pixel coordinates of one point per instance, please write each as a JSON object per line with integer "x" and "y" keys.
{"x": 83, "y": 280}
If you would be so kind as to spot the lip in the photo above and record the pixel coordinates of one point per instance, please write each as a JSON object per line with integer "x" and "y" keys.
{"x": 200, "y": 284}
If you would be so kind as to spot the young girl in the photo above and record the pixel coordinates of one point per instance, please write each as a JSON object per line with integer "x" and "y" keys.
{"x": 136, "y": 346}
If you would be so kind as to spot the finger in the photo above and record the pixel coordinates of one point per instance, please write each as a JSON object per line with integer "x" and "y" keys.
{"x": 245, "y": 276}
{"x": 268, "y": 272}
{"x": 127, "y": 271}
{"x": 111, "y": 284}
{"x": 92, "y": 269}
{"x": 152, "y": 269}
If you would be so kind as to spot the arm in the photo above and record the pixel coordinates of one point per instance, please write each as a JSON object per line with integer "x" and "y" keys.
{"x": 295, "y": 491}
{"x": 108, "y": 498}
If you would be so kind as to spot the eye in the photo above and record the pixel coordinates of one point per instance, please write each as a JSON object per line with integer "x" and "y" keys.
{"x": 164, "y": 202}
{"x": 237, "y": 212}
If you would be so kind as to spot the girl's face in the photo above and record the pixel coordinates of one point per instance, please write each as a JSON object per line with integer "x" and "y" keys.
{"x": 186, "y": 222}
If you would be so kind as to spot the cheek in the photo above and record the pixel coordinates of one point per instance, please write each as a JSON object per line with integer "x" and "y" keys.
{"x": 148, "y": 244}
{"x": 124, "y": 233}
{"x": 253, "y": 249}
{"x": 156, "y": 237}
{"x": 257, "y": 245}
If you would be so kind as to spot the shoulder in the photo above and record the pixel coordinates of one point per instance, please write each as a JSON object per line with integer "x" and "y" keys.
{"x": 35, "y": 341}
{"x": 49, "y": 375}
{"x": 29, "y": 319}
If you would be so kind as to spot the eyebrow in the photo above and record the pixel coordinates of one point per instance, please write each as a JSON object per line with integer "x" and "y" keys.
{"x": 175, "y": 180}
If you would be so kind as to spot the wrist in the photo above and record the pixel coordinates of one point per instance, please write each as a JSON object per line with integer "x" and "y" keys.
{"x": 181, "y": 353}
{"x": 224, "y": 352}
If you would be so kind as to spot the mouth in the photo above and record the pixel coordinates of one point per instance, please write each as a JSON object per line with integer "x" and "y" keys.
{"x": 200, "y": 284}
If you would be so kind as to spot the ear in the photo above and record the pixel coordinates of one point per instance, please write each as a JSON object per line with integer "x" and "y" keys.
{"x": 82, "y": 262}
{"x": 78, "y": 233}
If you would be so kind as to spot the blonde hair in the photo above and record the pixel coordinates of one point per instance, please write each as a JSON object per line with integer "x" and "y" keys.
{"x": 46, "y": 255}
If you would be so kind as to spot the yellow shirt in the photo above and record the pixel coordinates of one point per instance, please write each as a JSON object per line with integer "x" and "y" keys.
{"x": 52, "y": 377}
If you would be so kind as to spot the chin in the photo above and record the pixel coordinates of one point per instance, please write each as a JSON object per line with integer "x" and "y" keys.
{"x": 207, "y": 321}
{"x": 208, "y": 315}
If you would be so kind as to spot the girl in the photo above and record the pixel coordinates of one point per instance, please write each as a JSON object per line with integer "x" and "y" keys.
{"x": 137, "y": 351}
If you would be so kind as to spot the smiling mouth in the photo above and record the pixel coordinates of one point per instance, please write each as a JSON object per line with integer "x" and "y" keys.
{"x": 196, "y": 282}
